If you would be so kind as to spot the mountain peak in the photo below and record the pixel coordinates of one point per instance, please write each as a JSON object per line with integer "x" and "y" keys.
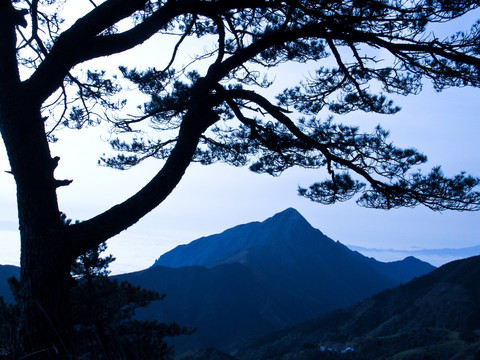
{"x": 289, "y": 213}
{"x": 288, "y": 217}
{"x": 285, "y": 238}
{"x": 286, "y": 227}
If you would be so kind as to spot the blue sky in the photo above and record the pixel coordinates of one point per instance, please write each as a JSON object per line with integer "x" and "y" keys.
{"x": 445, "y": 126}
{"x": 213, "y": 198}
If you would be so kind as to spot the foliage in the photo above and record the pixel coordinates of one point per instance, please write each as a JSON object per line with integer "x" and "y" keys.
{"x": 9, "y": 324}
{"x": 90, "y": 265}
{"x": 245, "y": 127}
{"x": 103, "y": 315}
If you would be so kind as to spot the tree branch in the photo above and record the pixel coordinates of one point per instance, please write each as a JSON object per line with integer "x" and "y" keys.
{"x": 81, "y": 41}
{"x": 279, "y": 114}
{"x": 70, "y": 46}
{"x": 87, "y": 234}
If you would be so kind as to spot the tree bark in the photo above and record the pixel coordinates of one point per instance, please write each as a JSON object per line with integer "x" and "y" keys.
{"x": 44, "y": 268}
{"x": 45, "y": 257}
{"x": 46, "y": 328}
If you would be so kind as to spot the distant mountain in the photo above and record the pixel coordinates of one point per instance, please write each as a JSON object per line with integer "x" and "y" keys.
{"x": 260, "y": 277}
{"x": 6, "y": 272}
{"x": 233, "y": 244}
{"x": 432, "y": 317}
{"x": 295, "y": 242}
{"x": 436, "y": 257}
{"x": 460, "y": 252}
{"x": 263, "y": 276}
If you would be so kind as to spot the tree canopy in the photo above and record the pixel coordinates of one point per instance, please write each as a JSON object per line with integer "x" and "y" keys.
{"x": 355, "y": 48}
{"x": 222, "y": 106}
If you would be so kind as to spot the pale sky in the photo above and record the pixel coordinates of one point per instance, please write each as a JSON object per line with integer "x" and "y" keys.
{"x": 211, "y": 199}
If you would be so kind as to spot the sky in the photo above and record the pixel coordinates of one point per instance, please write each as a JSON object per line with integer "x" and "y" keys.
{"x": 211, "y": 199}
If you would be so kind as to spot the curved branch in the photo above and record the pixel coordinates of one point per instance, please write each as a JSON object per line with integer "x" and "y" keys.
{"x": 221, "y": 39}
{"x": 85, "y": 235}
{"x": 179, "y": 42}
{"x": 118, "y": 218}
{"x": 454, "y": 194}
{"x": 81, "y": 41}
{"x": 395, "y": 48}
{"x": 279, "y": 114}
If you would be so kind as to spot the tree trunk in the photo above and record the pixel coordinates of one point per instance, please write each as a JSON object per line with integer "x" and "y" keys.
{"x": 46, "y": 256}
{"x": 45, "y": 265}
{"x": 45, "y": 283}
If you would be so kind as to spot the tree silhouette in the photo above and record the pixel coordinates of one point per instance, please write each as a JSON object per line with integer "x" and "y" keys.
{"x": 103, "y": 311}
{"x": 215, "y": 109}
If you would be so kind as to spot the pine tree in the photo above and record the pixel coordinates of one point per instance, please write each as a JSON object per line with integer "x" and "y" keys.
{"x": 103, "y": 314}
{"x": 216, "y": 109}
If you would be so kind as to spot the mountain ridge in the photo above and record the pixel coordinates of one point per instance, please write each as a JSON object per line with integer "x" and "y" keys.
{"x": 283, "y": 270}
{"x": 260, "y": 277}
{"x": 437, "y": 257}
{"x": 435, "y": 316}
{"x": 290, "y": 237}
{"x": 215, "y": 251}
{"x": 289, "y": 228}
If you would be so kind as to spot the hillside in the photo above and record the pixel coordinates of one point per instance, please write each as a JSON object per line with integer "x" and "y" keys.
{"x": 260, "y": 277}
{"x": 432, "y": 317}
{"x": 263, "y": 276}
{"x": 6, "y": 272}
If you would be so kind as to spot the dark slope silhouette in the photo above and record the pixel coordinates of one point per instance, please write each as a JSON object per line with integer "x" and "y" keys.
{"x": 260, "y": 277}
{"x": 289, "y": 236}
{"x": 263, "y": 276}
{"x": 6, "y": 272}
{"x": 431, "y": 317}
